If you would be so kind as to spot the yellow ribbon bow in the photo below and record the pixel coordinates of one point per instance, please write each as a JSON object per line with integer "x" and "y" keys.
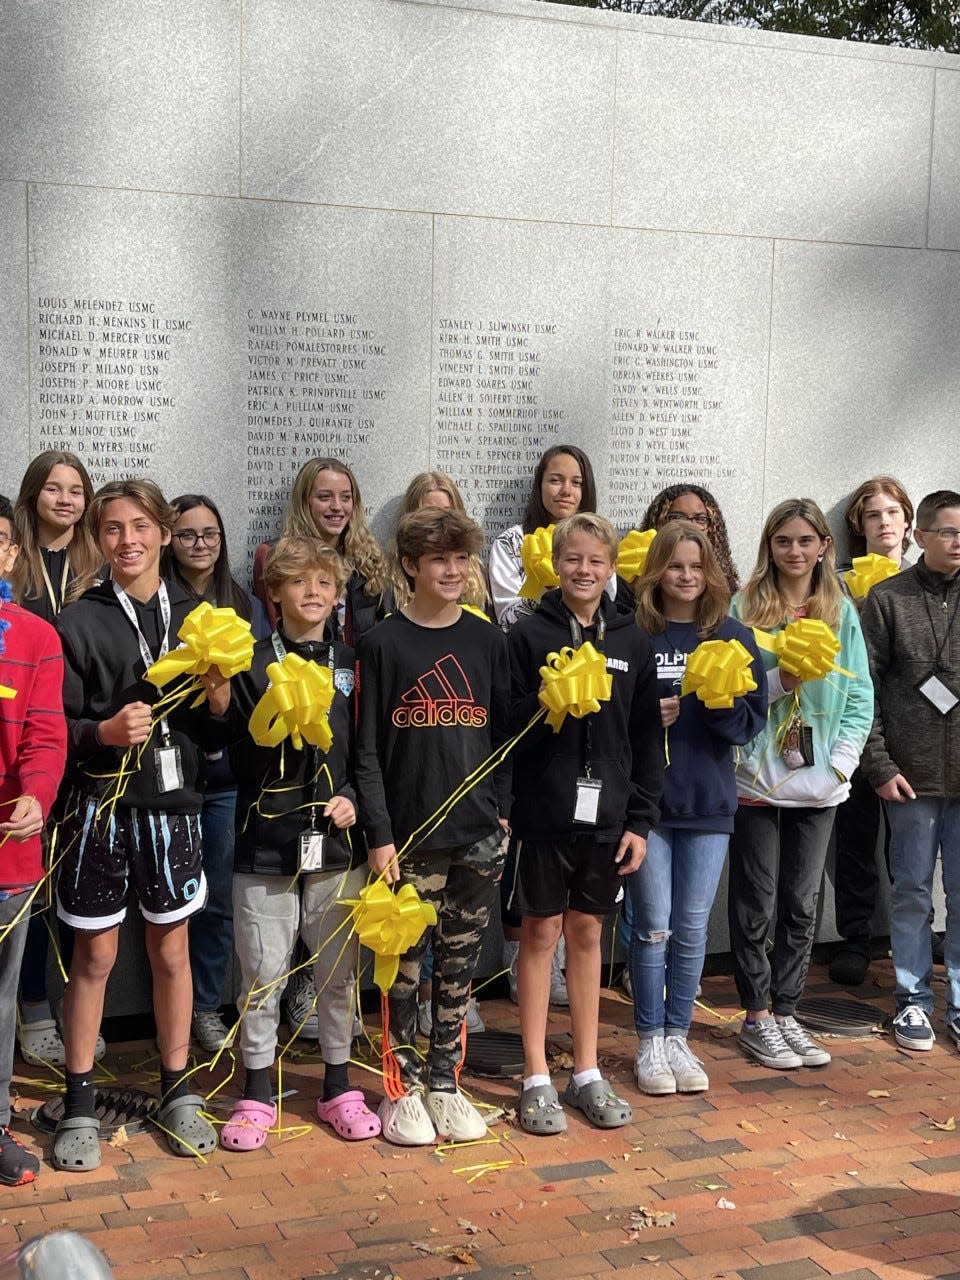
{"x": 211, "y": 638}
{"x": 574, "y": 681}
{"x": 806, "y": 648}
{"x": 536, "y": 553}
{"x": 867, "y": 571}
{"x": 632, "y": 556}
{"x": 389, "y": 924}
{"x": 295, "y": 705}
{"x": 717, "y": 672}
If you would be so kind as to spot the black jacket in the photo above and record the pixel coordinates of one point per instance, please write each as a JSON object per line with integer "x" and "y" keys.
{"x": 276, "y": 786}
{"x": 622, "y": 742}
{"x": 103, "y": 671}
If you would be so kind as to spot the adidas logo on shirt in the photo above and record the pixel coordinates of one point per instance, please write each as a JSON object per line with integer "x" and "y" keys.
{"x": 441, "y": 697}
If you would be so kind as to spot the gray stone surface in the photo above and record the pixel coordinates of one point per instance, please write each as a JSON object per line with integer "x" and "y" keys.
{"x": 412, "y": 107}
{"x": 140, "y": 95}
{"x": 649, "y": 350}
{"x": 15, "y": 451}
{"x": 945, "y": 170}
{"x": 752, "y": 140}
{"x": 863, "y": 371}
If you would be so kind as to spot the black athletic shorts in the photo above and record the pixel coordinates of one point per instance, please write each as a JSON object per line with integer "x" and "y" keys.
{"x": 578, "y": 873}
{"x": 157, "y": 853}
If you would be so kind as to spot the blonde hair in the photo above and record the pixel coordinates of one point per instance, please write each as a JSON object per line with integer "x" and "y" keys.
{"x": 585, "y": 522}
{"x": 475, "y": 590}
{"x": 713, "y": 604}
{"x": 761, "y": 602}
{"x": 144, "y": 493}
{"x": 357, "y": 545}
{"x": 291, "y": 555}
{"x": 434, "y": 530}
{"x": 83, "y": 554}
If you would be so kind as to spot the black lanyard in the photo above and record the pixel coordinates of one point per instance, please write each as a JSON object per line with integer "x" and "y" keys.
{"x": 933, "y": 630}
{"x": 576, "y": 639}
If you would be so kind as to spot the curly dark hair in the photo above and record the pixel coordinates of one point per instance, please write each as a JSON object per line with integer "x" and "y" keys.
{"x": 659, "y": 509}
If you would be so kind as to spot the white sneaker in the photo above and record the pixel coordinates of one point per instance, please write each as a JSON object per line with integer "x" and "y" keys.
{"x": 424, "y": 1017}
{"x": 801, "y": 1044}
{"x": 558, "y": 983}
{"x": 475, "y": 1023}
{"x": 686, "y": 1066}
{"x": 509, "y": 953}
{"x": 764, "y": 1042}
{"x": 651, "y": 1068}
{"x": 405, "y": 1122}
{"x": 454, "y": 1117}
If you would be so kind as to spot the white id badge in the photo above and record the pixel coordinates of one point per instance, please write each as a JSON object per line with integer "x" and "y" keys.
{"x": 169, "y": 769}
{"x": 588, "y": 801}
{"x": 311, "y": 851}
{"x": 938, "y": 694}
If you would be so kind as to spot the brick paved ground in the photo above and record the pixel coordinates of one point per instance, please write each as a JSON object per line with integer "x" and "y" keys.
{"x": 852, "y": 1171}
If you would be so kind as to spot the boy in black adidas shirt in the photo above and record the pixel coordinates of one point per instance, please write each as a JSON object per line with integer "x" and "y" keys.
{"x": 433, "y": 692}
{"x": 584, "y": 799}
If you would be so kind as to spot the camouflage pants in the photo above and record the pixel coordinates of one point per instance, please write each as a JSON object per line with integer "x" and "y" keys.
{"x": 462, "y": 885}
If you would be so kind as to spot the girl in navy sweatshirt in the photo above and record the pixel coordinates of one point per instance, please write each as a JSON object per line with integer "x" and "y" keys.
{"x": 682, "y": 600}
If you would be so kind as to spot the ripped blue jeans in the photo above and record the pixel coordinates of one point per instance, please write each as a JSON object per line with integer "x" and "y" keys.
{"x": 671, "y": 895}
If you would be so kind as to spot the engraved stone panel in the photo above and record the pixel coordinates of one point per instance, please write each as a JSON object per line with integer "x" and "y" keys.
{"x": 648, "y": 350}
{"x": 131, "y": 96}
{"x": 402, "y": 106}
{"x": 771, "y": 141}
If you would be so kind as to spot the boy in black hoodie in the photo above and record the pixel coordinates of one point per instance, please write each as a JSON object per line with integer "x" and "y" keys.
{"x": 151, "y": 836}
{"x": 433, "y": 707}
{"x": 584, "y": 800}
{"x": 297, "y": 865}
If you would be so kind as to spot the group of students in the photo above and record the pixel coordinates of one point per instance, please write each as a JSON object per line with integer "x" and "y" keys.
{"x": 441, "y": 773}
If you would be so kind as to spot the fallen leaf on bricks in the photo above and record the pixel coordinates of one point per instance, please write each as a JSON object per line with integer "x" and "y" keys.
{"x": 878, "y": 1093}
{"x": 745, "y": 1124}
{"x": 120, "y": 1138}
{"x": 642, "y": 1218}
{"x": 725, "y": 1204}
{"x": 947, "y": 1125}
{"x": 466, "y": 1225}
{"x": 210, "y": 1196}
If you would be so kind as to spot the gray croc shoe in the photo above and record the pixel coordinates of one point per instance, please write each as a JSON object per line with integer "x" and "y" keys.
{"x": 186, "y": 1131}
{"x": 599, "y": 1103}
{"x": 76, "y": 1147}
{"x": 539, "y": 1111}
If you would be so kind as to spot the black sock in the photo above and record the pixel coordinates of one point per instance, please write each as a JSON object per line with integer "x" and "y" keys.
{"x": 173, "y": 1084}
{"x": 257, "y": 1086}
{"x": 81, "y": 1094}
{"x": 336, "y": 1079}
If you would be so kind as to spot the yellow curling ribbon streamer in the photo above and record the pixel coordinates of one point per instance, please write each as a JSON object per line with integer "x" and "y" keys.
{"x": 536, "y": 553}
{"x": 295, "y": 705}
{"x": 7, "y": 692}
{"x": 717, "y": 672}
{"x": 389, "y": 924}
{"x": 806, "y": 648}
{"x": 867, "y": 571}
{"x": 476, "y": 611}
{"x": 211, "y": 638}
{"x": 575, "y": 681}
{"x": 632, "y": 556}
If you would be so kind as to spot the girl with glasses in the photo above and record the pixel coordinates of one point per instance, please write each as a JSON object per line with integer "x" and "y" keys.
{"x": 690, "y": 502}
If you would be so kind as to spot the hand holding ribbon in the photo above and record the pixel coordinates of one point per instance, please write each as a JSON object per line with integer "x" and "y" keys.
{"x": 211, "y": 638}
{"x": 536, "y": 553}
{"x": 632, "y": 555}
{"x": 296, "y": 705}
{"x": 389, "y": 924}
{"x": 867, "y": 571}
{"x": 717, "y": 672}
{"x": 574, "y": 681}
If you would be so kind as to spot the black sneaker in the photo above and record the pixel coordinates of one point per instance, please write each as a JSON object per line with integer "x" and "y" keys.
{"x": 849, "y": 965}
{"x": 17, "y": 1164}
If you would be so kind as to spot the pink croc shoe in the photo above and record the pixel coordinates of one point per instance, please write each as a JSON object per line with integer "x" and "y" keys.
{"x": 348, "y": 1115}
{"x": 246, "y": 1130}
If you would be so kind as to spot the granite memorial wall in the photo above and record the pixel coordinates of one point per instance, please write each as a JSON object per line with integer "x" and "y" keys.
{"x": 419, "y": 233}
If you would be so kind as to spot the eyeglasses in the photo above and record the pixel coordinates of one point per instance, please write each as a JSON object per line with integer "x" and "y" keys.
{"x": 190, "y": 537}
{"x": 5, "y": 541}
{"x": 945, "y": 535}
{"x": 702, "y": 521}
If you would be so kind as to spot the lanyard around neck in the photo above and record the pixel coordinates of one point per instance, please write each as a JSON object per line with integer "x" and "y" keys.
{"x": 145, "y": 652}
{"x": 55, "y": 604}
{"x": 280, "y": 649}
